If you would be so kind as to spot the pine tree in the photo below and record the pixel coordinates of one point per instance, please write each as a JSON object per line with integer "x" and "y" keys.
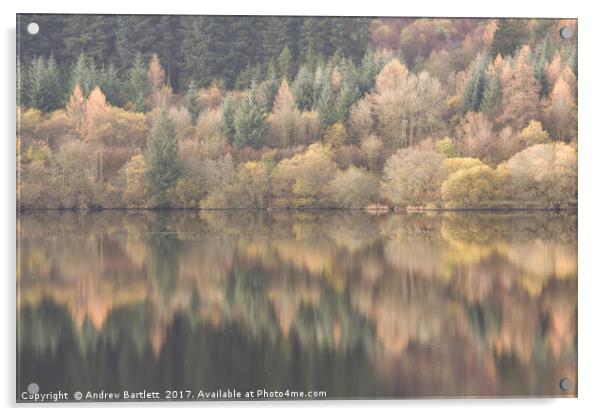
{"x": 349, "y": 91}
{"x": 94, "y": 34}
{"x": 303, "y": 89}
{"x": 55, "y": 89}
{"x": 492, "y": 96}
{"x": 372, "y": 63}
{"x": 285, "y": 62}
{"x": 250, "y": 121}
{"x": 198, "y": 58}
{"x": 509, "y": 36}
{"x": 275, "y": 36}
{"x": 314, "y": 38}
{"x": 541, "y": 56}
{"x": 475, "y": 88}
{"x": 42, "y": 85}
{"x": 192, "y": 102}
{"x": 270, "y": 86}
{"x": 163, "y": 160}
{"x": 326, "y": 104}
{"x": 147, "y": 35}
{"x": 84, "y": 74}
{"x": 109, "y": 82}
{"x": 37, "y": 85}
{"x": 139, "y": 87}
{"x": 229, "y": 108}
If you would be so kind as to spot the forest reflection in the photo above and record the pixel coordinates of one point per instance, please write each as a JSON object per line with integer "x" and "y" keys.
{"x": 359, "y": 305}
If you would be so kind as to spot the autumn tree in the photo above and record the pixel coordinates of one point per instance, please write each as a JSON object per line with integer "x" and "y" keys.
{"x": 475, "y": 187}
{"x": 303, "y": 180}
{"x": 521, "y": 94}
{"x": 361, "y": 119}
{"x": 544, "y": 174}
{"x": 284, "y": 120}
{"x": 408, "y": 107}
{"x": 413, "y": 177}
{"x": 354, "y": 188}
{"x": 96, "y": 126}
{"x": 475, "y": 135}
{"x": 77, "y": 175}
{"x": 534, "y": 134}
{"x": 135, "y": 193}
{"x": 159, "y": 91}
{"x": 561, "y": 112}
{"x": 76, "y": 108}
{"x": 373, "y": 147}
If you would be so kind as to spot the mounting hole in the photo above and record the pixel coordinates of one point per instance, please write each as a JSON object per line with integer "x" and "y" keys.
{"x": 566, "y": 32}
{"x": 33, "y": 388}
{"x": 33, "y": 28}
{"x": 566, "y": 384}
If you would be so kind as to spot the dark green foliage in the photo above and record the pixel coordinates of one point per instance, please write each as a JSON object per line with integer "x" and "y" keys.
{"x": 350, "y": 89}
{"x": 269, "y": 88}
{"x": 92, "y": 34}
{"x": 84, "y": 74}
{"x": 250, "y": 121}
{"x": 163, "y": 160}
{"x": 198, "y": 48}
{"x": 228, "y": 115}
{"x": 146, "y": 35}
{"x": 110, "y": 84}
{"x": 509, "y": 36}
{"x": 53, "y": 80}
{"x": 492, "y": 96}
{"x": 250, "y": 75}
{"x": 326, "y": 104}
{"x": 192, "y": 102}
{"x": 197, "y": 65}
{"x": 541, "y": 56}
{"x": 275, "y": 36}
{"x": 36, "y": 88}
{"x": 372, "y": 63}
{"x": 303, "y": 89}
{"x": 138, "y": 86}
{"x": 475, "y": 89}
{"x": 285, "y": 62}
{"x": 42, "y": 86}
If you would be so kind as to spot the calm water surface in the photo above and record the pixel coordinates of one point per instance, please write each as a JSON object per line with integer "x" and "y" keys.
{"x": 356, "y": 305}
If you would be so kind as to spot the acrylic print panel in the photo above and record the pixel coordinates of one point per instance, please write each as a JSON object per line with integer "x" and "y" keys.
{"x": 268, "y": 207}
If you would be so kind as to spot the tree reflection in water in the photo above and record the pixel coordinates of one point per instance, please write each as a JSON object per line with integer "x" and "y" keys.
{"x": 396, "y": 305}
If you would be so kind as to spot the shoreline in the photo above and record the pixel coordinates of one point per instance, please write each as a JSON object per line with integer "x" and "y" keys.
{"x": 308, "y": 209}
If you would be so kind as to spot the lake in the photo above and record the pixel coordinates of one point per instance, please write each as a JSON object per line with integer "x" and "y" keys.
{"x": 348, "y": 303}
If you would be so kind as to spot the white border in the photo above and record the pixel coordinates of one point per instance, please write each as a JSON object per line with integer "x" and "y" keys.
{"x": 590, "y": 201}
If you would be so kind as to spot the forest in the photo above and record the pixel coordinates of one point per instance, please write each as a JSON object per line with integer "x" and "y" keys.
{"x": 265, "y": 112}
